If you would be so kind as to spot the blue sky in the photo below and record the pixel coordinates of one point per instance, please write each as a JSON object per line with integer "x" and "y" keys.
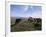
{"x": 25, "y": 11}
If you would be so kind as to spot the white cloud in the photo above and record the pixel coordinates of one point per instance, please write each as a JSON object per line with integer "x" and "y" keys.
{"x": 26, "y": 8}
{"x": 37, "y": 15}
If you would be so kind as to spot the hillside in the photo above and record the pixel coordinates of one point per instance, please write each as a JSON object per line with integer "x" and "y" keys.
{"x": 26, "y": 24}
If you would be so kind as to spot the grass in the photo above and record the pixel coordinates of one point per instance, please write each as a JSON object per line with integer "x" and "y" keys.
{"x": 26, "y": 25}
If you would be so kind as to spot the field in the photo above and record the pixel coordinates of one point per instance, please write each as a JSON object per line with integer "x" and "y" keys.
{"x": 25, "y": 24}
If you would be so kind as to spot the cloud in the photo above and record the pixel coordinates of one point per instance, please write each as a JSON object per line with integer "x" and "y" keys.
{"x": 37, "y": 15}
{"x": 26, "y": 8}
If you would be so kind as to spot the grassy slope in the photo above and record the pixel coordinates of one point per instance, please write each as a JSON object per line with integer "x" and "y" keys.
{"x": 25, "y": 25}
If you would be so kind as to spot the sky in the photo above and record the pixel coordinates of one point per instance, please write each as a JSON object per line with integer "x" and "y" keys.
{"x": 26, "y": 11}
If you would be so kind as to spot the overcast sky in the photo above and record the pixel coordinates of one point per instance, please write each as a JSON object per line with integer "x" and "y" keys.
{"x": 25, "y": 11}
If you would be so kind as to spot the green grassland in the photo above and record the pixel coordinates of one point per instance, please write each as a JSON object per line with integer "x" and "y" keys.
{"x": 34, "y": 24}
